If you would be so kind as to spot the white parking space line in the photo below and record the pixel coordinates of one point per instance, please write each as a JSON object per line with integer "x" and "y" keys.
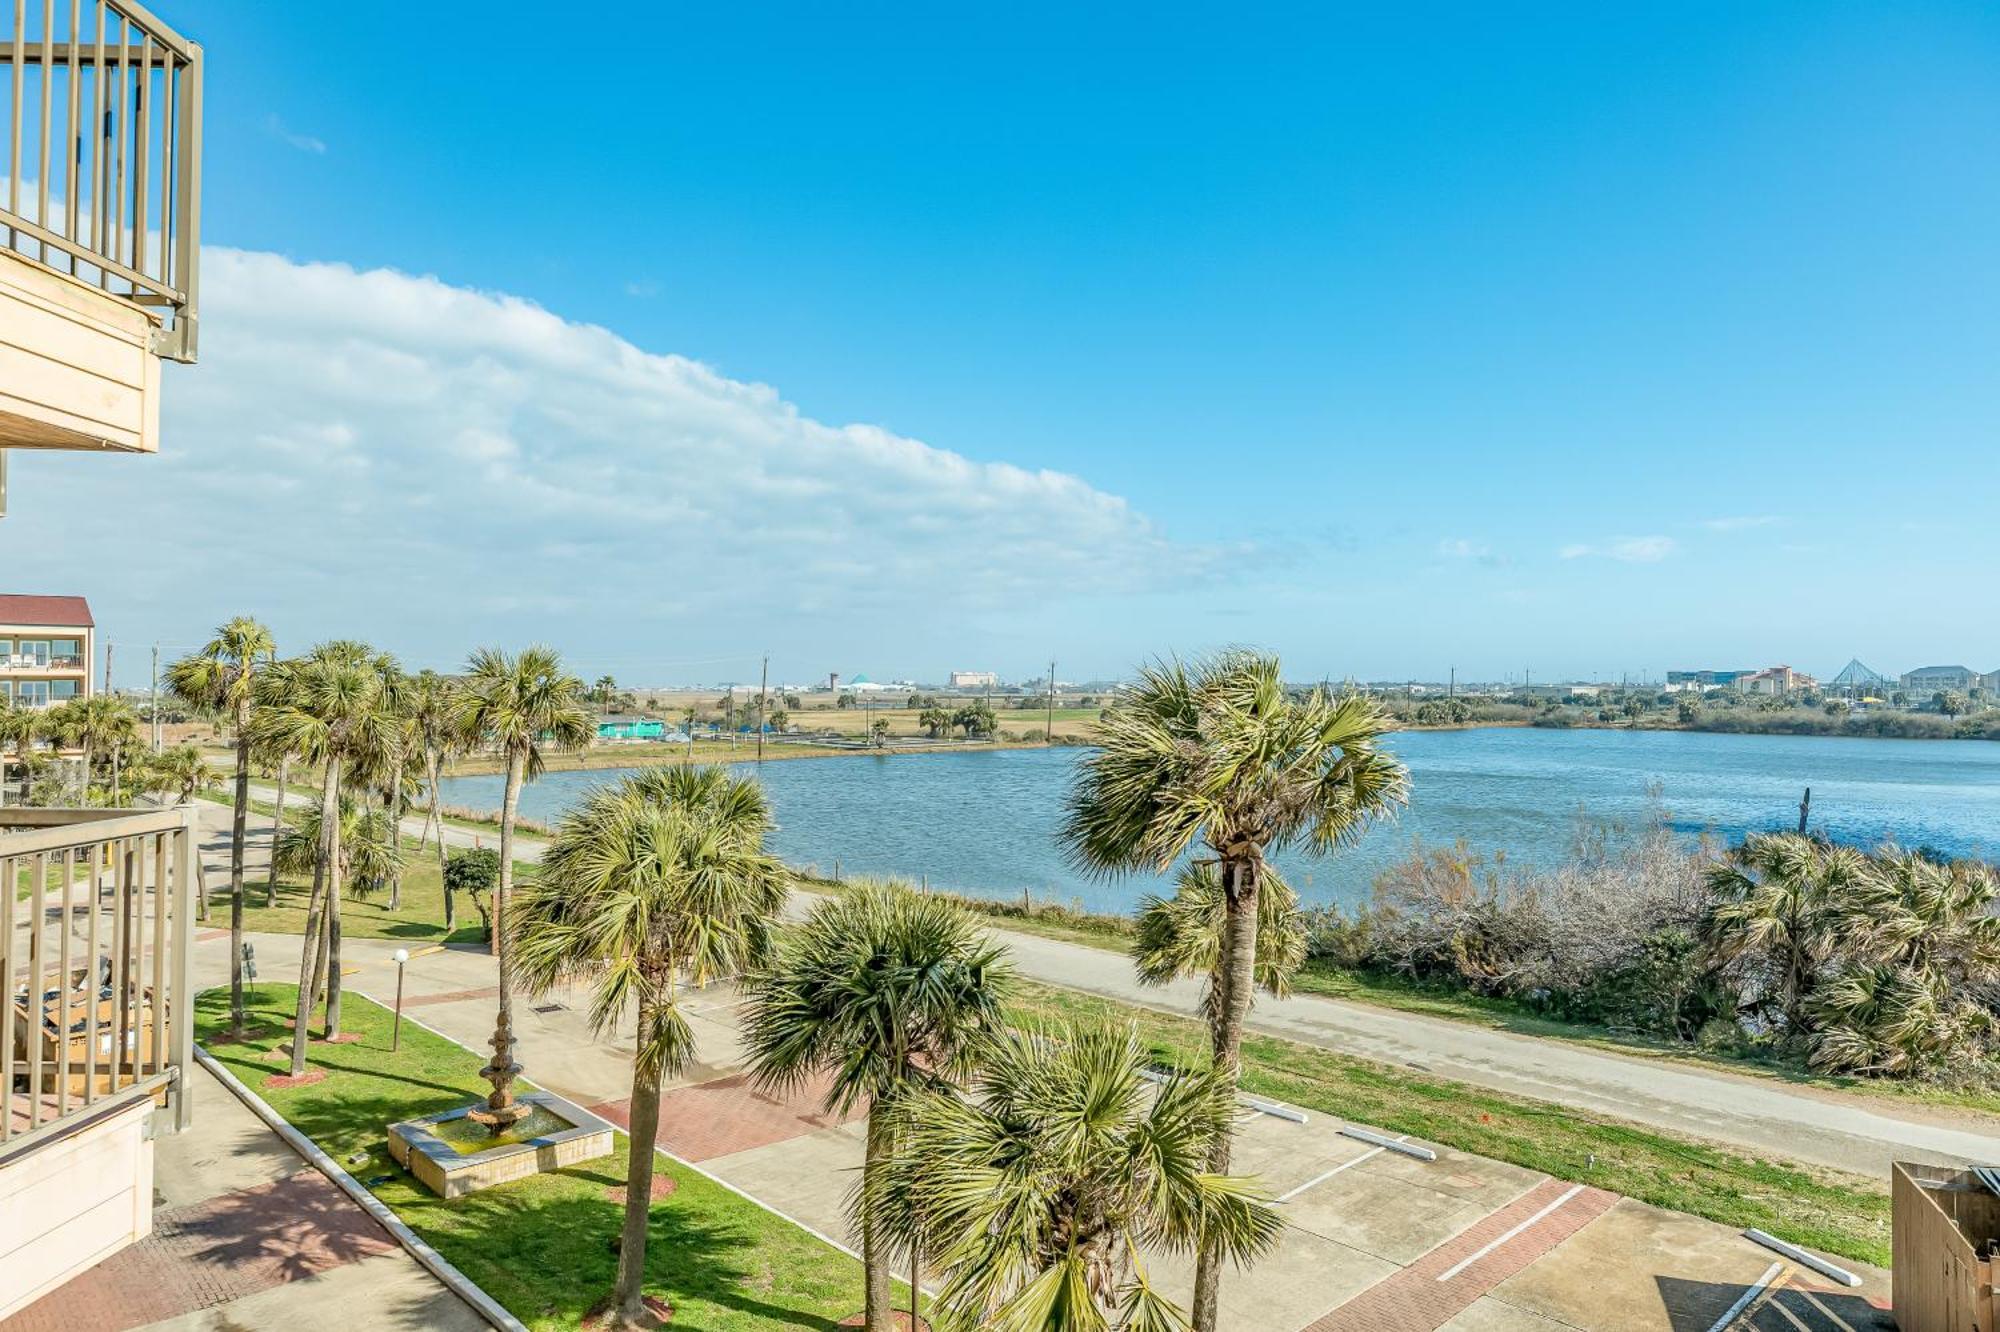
{"x": 1831, "y": 1316}
{"x": 1743, "y": 1301}
{"x": 1495, "y": 1243}
{"x": 1324, "y": 1177}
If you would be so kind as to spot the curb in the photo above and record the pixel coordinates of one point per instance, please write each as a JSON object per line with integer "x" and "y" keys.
{"x": 456, "y": 1281}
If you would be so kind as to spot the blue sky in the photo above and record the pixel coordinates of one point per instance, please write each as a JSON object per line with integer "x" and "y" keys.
{"x": 1579, "y": 339}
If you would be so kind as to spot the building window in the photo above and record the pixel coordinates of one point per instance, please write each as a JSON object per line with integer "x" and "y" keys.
{"x": 32, "y": 693}
{"x": 60, "y": 690}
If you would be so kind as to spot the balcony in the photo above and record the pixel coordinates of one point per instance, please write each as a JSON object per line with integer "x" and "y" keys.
{"x": 100, "y": 206}
{"x": 96, "y": 1030}
{"x": 73, "y": 665}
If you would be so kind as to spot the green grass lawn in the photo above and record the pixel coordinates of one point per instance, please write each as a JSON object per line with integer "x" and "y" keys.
{"x": 540, "y": 1246}
{"x": 1821, "y": 1209}
{"x": 420, "y": 918}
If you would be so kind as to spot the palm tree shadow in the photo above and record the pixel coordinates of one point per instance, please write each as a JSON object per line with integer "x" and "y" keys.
{"x": 691, "y": 1259}
{"x": 285, "y": 1231}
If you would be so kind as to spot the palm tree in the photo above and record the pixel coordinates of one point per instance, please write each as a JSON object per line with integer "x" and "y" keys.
{"x": 1912, "y": 954}
{"x": 517, "y": 704}
{"x": 324, "y": 708}
{"x": 1041, "y": 1200}
{"x": 1775, "y": 899}
{"x": 283, "y": 776}
{"x": 658, "y": 881}
{"x": 398, "y": 754}
{"x": 604, "y": 688}
{"x": 17, "y": 728}
{"x": 101, "y": 725}
{"x": 182, "y": 770}
{"x": 430, "y": 707}
{"x": 368, "y": 859}
{"x": 1182, "y": 935}
{"x": 1220, "y": 756}
{"x": 884, "y": 991}
{"x": 218, "y": 681}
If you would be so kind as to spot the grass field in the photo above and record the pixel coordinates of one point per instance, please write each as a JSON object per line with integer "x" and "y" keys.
{"x": 541, "y": 1246}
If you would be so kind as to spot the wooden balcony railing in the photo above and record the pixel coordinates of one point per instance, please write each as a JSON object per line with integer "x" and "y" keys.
{"x": 97, "y": 977}
{"x": 100, "y": 118}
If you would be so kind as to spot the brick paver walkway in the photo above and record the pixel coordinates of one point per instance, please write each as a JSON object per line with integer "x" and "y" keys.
{"x": 452, "y": 996}
{"x": 728, "y": 1115}
{"x": 213, "y": 1252}
{"x": 1440, "y": 1285}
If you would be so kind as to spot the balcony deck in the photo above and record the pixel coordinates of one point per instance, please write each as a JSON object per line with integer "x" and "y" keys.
{"x": 100, "y": 206}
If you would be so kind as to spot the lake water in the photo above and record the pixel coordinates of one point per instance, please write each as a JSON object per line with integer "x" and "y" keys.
{"x": 984, "y": 822}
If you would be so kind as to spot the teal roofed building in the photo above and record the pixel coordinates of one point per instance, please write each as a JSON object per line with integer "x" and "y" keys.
{"x": 630, "y": 728}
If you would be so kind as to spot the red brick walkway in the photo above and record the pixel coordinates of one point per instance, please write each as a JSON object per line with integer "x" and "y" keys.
{"x": 726, "y": 1115}
{"x": 212, "y": 1252}
{"x": 1440, "y": 1285}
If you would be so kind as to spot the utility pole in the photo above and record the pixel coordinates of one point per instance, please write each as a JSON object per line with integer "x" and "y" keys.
{"x": 107, "y": 666}
{"x": 1451, "y": 690}
{"x": 763, "y": 685}
{"x": 156, "y": 698}
{"x": 1049, "y": 733}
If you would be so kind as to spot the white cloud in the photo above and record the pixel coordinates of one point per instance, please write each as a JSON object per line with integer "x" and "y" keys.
{"x": 305, "y": 143}
{"x": 1741, "y": 523}
{"x": 370, "y": 448}
{"x": 1631, "y": 550}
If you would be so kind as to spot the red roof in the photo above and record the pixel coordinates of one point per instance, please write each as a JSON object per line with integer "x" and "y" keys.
{"x": 70, "y": 612}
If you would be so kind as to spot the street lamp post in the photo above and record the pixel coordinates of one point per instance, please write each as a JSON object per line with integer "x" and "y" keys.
{"x": 401, "y": 955}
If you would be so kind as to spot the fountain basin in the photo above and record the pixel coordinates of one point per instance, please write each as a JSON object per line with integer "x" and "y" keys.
{"x": 444, "y": 1152}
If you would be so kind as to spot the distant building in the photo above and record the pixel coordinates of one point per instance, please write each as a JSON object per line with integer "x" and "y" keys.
{"x": 47, "y": 645}
{"x": 1703, "y": 679}
{"x": 1775, "y": 680}
{"x": 1930, "y": 679}
{"x": 974, "y": 680}
{"x": 630, "y": 728}
{"x": 1855, "y": 678}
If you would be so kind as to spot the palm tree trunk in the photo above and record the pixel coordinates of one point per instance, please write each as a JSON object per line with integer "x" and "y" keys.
{"x": 1238, "y": 971}
{"x": 503, "y": 1070}
{"x": 396, "y": 836}
{"x": 334, "y": 877}
{"x": 629, "y": 1294}
{"x": 277, "y": 826}
{"x": 309, "y": 959}
{"x": 431, "y": 767}
{"x": 877, "y": 1307}
{"x": 238, "y": 828}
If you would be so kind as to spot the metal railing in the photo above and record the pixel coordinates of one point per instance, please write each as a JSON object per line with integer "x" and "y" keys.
{"x": 32, "y": 663}
{"x": 102, "y": 107}
{"x": 97, "y": 978}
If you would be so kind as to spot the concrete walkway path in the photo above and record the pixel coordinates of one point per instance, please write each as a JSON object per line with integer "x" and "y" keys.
{"x": 1857, "y": 1133}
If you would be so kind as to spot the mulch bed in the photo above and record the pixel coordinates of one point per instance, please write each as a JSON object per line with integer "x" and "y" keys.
{"x": 285, "y": 1081}
{"x": 659, "y": 1312}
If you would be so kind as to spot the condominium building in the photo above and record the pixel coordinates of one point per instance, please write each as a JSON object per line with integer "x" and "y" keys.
{"x": 974, "y": 680}
{"x": 47, "y": 645}
{"x": 1929, "y": 679}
